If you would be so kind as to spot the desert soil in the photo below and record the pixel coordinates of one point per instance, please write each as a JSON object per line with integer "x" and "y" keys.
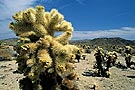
{"x": 120, "y": 79}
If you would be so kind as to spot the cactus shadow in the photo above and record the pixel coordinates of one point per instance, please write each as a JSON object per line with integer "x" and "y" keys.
{"x": 120, "y": 66}
{"x": 133, "y": 77}
{"x": 89, "y": 73}
{"x": 96, "y": 74}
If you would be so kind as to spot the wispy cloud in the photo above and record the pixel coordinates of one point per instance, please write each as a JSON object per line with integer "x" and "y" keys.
{"x": 121, "y": 14}
{"x": 47, "y": 1}
{"x": 81, "y": 2}
{"x": 124, "y": 32}
{"x": 8, "y": 8}
{"x": 64, "y": 6}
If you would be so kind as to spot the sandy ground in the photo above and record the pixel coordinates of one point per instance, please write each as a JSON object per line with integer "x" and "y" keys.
{"x": 120, "y": 79}
{"x": 8, "y": 79}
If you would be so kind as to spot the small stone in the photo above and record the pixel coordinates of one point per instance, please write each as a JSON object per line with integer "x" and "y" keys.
{"x": 2, "y": 76}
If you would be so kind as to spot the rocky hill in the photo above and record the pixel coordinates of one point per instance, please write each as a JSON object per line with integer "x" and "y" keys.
{"x": 96, "y": 41}
{"x": 7, "y": 49}
{"x": 10, "y": 41}
{"x": 105, "y": 41}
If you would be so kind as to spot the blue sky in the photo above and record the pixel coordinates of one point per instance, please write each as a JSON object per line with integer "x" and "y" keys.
{"x": 90, "y": 18}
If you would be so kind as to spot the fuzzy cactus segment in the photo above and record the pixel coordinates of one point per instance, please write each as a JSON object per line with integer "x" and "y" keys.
{"x": 46, "y": 60}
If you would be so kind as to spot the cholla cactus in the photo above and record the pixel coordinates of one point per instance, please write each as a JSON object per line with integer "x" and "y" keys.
{"x": 112, "y": 54}
{"x": 128, "y": 60}
{"x": 111, "y": 58}
{"x": 45, "y": 60}
{"x": 128, "y": 55}
{"x": 99, "y": 56}
{"x": 120, "y": 50}
{"x": 128, "y": 49}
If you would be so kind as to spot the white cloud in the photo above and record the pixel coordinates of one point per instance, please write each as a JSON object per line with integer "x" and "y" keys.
{"x": 128, "y": 28}
{"x": 8, "y": 8}
{"x": 124, "y": 32}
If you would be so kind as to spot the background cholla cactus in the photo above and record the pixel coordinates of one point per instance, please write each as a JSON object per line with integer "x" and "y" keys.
{"x": 128, "y": 49}
{"x": 111, "y": 59}
{"x": 113, "y": 55}
{"x": 45, "y": 59}
{"x": 128, "y": 55}
{"x": 99, "y": 60}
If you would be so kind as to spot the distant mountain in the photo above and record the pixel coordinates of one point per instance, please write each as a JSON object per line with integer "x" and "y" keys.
{"x": 113, "y": 41}
{"x": 134, "y": 41}
{"x": 105, "y": 41}
{"x": 96, "y": 41}
{"x": 10, "y": 41}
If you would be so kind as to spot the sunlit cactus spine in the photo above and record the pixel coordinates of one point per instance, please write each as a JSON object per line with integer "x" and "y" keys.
{"x": 46, "y": 60}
